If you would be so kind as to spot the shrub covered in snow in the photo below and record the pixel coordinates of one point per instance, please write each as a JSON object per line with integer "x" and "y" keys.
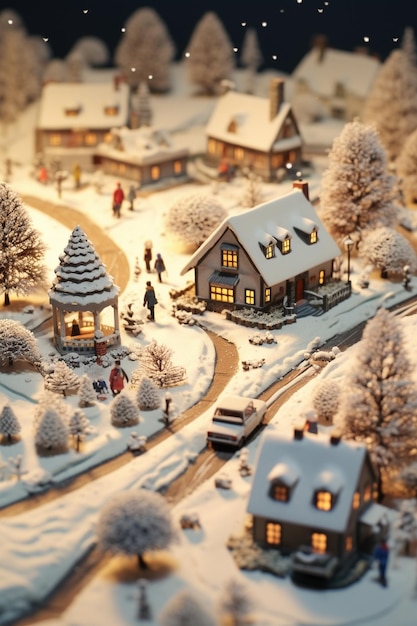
{"x": 79, "y": 427}
{"x": 86, "y": 391}
{"x": 147, "y": 395}
{"x": 186, "y": 608}
{"x": 191, "y": 219}
{"x": 51, "y": 433}
{"x": 325, "y": 400}
{"x": 388, "y": 250}
{"x": 235, "y": 603}
{"x": 124, "y": 411}
{"x": 9, "y": 424}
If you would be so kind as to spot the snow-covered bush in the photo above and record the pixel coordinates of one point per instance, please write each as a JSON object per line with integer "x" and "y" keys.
{"x": 78, "y": 427}
{"x": 191, "y": 219}
{"x": 86, "y": 391}
{"x": 17, "y": 343}
{"x": 252, "y": 190}
{"x": 235, "y": 604}
{"x": 147, "y": 395}
{"x": 9, "y": 424}
{"x": 124, "y": 411}
{"x": 326, "y": 398}
{"x": 135, "y": 523}
{"x": 186, "y": 608}
{"x": 61, "y": 379}
{"x": 51, "y": 433}
{"x": 136, "y": 442}
{"x": 388, "y": 250}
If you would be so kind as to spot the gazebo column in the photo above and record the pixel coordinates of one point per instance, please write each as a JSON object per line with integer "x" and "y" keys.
{"x": 55, "y": 320}
{"x": 96, "y": 317}
{"x": 116, "y": 318}
{"x": 62, "y": 332}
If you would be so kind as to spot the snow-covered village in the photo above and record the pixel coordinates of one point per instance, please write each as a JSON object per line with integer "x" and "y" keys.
{"x": 208, "y": 380}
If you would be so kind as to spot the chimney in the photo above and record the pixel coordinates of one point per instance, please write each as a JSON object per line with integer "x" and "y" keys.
{"x": 299, "y": 432}
{"x": 335, "y": 438}
{"x": 276, "y": 96}
{"x": 302, "y": 186}
{"x": 320, "y": 43}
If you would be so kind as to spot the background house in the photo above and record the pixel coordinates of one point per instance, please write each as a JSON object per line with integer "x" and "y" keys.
{"x": 257, "y": 258}
{"x": 259, "y": 133}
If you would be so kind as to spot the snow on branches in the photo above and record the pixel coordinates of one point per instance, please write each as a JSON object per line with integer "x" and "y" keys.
{"x": 17, "y": 342}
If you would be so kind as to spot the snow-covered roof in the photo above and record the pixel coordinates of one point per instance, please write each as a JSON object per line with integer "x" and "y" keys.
{"x": 83, "y": 105}
{"x": 316, "y": 464}
{"x": 244, "y": 120}
{"x": 276, "y": 217}
{"x": 81, "y": 278}
{"x": 355, "y": 71}
{"x": 142, "y": 145}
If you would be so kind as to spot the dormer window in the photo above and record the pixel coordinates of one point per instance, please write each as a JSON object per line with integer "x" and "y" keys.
{"x": 72, "y": 111}
{"x": 283, "y": 479}
{"x": 306, "y": 229}
{"x": 111, "y": 110}
{"x": 313, "y": 236}
{"x": 280, "y": 492}
{"x": 286, "y": 245}
{"x": 270, "y": 251}
{"x": 232, "y": 127}
{"x": 324, "y": 500}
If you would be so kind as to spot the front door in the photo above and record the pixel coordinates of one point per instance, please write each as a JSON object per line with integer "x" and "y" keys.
{"x": 299, "y": 289}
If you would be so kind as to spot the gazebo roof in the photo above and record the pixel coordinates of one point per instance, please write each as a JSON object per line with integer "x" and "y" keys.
{"x": 81, "y": 279}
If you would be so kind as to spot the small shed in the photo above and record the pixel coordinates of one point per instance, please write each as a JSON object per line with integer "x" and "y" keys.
{"x": 84, "y": 299}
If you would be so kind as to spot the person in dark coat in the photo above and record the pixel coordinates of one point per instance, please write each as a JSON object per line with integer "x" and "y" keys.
{"x": 147, "y": 256}
{"x": 381, "y": 554}
{"x": 131, "y": 197}
{"x": 159, "y": 266}
{"x": 150, "y": 300}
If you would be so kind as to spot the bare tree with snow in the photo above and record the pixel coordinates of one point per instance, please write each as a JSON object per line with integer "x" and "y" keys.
{"x": 252, "y": 190}
{"x": 379, "y": 403}
{"x": 357, "y": 192}
{"x": 387, "y": 250}
{"x": 186, "y": 608}
{"x": 93, "y": 50}
{"x": 147, "y": 395}
{"x": 21, "y": 249}
{"x": 235, "y": 604}
{"x": 61, "y": 378}
{"x": 17, "y": 343}
{"x": 78, "y": 427}
{"x": 251, "y": 57}
{"x": 156, "y": 364}
{"x": 147, "y": 47}
{"x": 123, "y": 411}
{"x": 392, "y": 102}
{"x": 86, "y": 392}
{"x": 51, "y": 433}
{"x": 9, "y": 424}
{"x": 135, "y": 523}
{"x": 192, "y": 218}
{"x": 210, "y": 54}
{"x": 325, "y": 400}
{"x": 406, "y": 169}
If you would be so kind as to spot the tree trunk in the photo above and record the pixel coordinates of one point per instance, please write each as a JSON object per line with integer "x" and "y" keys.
{"x": 6, "y": 298}
{"x": 141, "y": 562}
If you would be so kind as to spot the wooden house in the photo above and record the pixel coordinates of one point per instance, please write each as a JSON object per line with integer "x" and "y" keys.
{"x": 315, "y": 494}
{"x": 246, "y": 131}
{"x": 274, "y": 251}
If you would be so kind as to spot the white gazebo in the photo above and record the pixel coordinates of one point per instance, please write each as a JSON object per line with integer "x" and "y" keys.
{"x": 80, "y": 295}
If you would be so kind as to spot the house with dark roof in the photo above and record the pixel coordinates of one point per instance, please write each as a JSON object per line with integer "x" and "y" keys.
{"x": 246, "y": 131}
{"x": 258, "y": 258}
{"x": 315, "y": 495}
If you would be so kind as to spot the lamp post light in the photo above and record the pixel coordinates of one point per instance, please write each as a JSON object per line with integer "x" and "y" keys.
{"x": 348, "y": 245}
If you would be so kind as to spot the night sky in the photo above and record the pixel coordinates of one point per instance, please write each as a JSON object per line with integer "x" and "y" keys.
{"x": 290, "y": 24}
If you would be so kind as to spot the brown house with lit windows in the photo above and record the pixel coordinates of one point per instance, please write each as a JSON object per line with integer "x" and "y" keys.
{"x": 249, "y": 131}
{"x": 75, "y": 117}
{"x": 315, "y": 495}
{"x": 274, "y": 251}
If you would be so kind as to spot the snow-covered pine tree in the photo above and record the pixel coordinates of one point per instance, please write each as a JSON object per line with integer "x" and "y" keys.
{"x": 186, "y": 608}
{"x": 408, "y": 45}
{"x": 51, "y": 433}
{"x": 50, "y": 400}
{"x": 387, "y": 250}
{"x": 251, "y": 57}
{"x": 61, "y": 379}
{"x": 78, "y": 427}
{"x": 9, "y": 424}
{"x": 192, "y": 218}
{"x": 135, "y": 523}
{"x": 406, "y": 169}
{"x": 252, "y": 190}
{"x": 17, "y": 343}
{"x": 357, "y": 191}
{"x": 157, "y": 365}
{"x": 123, "y": 411}
{"x": 211, "y": 56}
{"x": 147, "y": 395}
{"x": 235, "y": 604}
{"x": 378, "y": 405}
{"x": 21, "y": 249}
{"x": 325, "y": 400}
{"x": 391, "y": 105}
{"x": 147, "y": 46}
{"x": 86, "y": 391}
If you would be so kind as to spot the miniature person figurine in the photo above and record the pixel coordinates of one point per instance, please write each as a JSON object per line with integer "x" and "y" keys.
{"x": 43, "y": 175}
{"x": 76, "y": 172}
{"x": 118, "y": 197}
{"x": 150, "y": 300}
{"x": 131, "y": 196}
{"x": 381, "y": 554}
{"x": 147, "y": 257}
{"x": 406, "y": 277}
{"x": 159, "y": 266}
{"x": 75, "y": 330}
{"x": 168, "y": 400}
{"x": 117, "y": 377}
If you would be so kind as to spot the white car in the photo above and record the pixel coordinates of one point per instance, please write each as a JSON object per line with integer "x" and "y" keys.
{"x": 234, "y": 419}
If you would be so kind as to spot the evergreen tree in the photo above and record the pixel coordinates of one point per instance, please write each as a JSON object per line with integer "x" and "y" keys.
{"x": 147, "y": 395}
{"x": 379, "y": 403}
{"x": 21, "y": 249}
{"x": 17, "y": 343}
{"x": 61, "y": 379}
{"x": 186, "y": 608}
{"x": 146, "y": 46}
{"x": 210, "y": 53}
{"x": 50, "y": 400}
{"x": 9, "y": 424}
{"x": 392, "y": 102}
{"x": 406, "y": 168}
{"x": 251, "y": 57}
{"x": 78, "y": 427}
{"x": 51, "y": 432}
{"x": 388, "y": 250}
{"x": 86, "y": 391}
{"x": 356, "y": 191}
{"x": 408, "y": 46}
{"x": 123, "y": 411}
{"x": 134, "y": 523}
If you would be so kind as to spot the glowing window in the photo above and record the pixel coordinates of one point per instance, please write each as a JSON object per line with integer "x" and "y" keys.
{"x": 221, "y": 294}
{"x": 155, "y": 172}
{"x": 239, "y": 153}
{"x": 111, "y": 110}
{"x": 367, "y": 493}
{"x": 229, "y": 258}
{"x": 286, "y": 246}
{"x": 348, "y": 543}
{"x": 267, "y": 294}
{"x": 177, "y": 167}
{"x": 313, "y": 237}
{"x": 319, "y": 542}
{"x": 273, "y": 533}
{"x": 72, "y": 112}
{"x": 249, "y": 296}
{"x": 212, "y": 145}
{"x": 269, "y": 251}
{"x": 108, "y": 137}
{"x": 322, "y": 276}
{"x": 55, "y": 140}
{"x": 90, "y": 139}
{"x": 280, "y": 493}
{"x": 324, "y": 500}
{"x": 356, "y": 500}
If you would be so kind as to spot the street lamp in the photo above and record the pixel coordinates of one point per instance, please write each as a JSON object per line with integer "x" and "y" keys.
{"x": 348, "y": 245}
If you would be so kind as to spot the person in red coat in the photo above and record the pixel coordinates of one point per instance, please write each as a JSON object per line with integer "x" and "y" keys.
{"x": 117, "y": 378}
{"x": 118, "y": 197}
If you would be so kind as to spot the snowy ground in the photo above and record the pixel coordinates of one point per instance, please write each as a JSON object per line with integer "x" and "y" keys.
{"x": 33, "y": 561}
